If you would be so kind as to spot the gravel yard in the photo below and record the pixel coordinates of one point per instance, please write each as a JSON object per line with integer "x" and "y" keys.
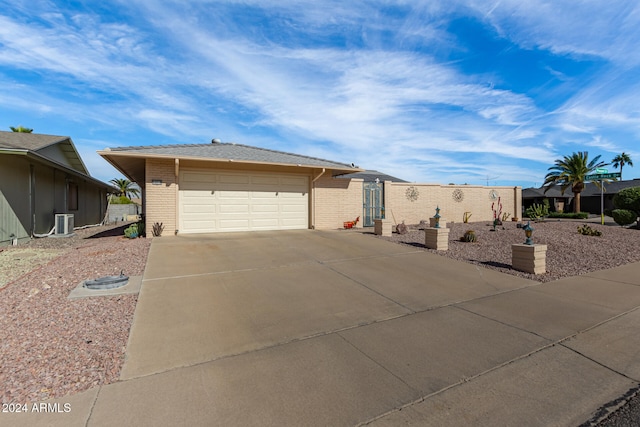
{"x": 51, "y": 346}
{"x": 568, "y": 252}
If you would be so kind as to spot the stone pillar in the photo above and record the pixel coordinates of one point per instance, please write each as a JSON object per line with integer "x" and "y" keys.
{"x": 529, "y": 258}
{"x": 437, "y": 238}
{"x": 383, "y": 227}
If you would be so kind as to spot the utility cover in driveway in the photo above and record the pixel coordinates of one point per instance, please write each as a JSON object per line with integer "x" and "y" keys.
{"x": 242, "y": 201}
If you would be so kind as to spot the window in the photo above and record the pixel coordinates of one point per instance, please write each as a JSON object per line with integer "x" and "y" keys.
{"x": 72, "y": 196}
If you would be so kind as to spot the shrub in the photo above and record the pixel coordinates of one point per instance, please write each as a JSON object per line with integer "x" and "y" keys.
{"x": 629, "y": 199}
{"x": 134, "y": 230}
{"x": 469, "y": 236}
{"x": 120, "y": 200}
{"x": 158, "y": 227}
{"x": 537, "y": 212}
{"x": 624, "y": 216}
{"x": 588, "y": 231}
{"x": 570, "y": 215}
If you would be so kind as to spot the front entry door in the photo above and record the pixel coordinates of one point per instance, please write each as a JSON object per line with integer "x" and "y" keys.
{"x": 373, "y": 203}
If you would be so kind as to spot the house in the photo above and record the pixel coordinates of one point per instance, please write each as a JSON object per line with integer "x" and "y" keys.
{"x": 41, "y": 176}
{"x": 590, "y": 197}
{"x": 217, "y": 187}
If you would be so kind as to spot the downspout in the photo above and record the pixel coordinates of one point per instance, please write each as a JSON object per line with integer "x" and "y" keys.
{"x": 177, "y": 204}
{"x": 313, "y": 199}
{"x": 32, "y": 198}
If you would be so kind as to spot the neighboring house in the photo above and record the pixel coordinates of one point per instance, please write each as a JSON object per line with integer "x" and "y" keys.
{"x": 40, "y": 176}
{"x": 589, "y": 198}
{"x": 217, "y": 187}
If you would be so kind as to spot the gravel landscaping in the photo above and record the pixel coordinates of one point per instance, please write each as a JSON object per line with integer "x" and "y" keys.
{"x": 569, "y": 253}
{"x": 51, "y": 346}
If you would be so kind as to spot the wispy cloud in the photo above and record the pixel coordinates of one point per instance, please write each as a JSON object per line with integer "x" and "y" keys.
{"x": 389, "y": 85}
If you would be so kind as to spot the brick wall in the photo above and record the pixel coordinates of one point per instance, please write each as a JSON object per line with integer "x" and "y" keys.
{"x": 337, "y": 201}
{"x": 474, "y": 199}
{"x": 160, "y": 199}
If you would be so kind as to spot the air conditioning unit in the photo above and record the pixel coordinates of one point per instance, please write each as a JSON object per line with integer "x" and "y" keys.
{"x": 64, "y": 224}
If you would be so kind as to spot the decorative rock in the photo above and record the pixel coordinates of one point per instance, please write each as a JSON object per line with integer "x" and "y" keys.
{"x": 383, "y": 227}
{"x": 529, "y": 258}
{"x": 437, "y": 238}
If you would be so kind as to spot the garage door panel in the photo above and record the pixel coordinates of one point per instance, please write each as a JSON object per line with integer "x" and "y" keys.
{"x": 265, "y": 180}
{"x": 227, "y": 201}
{"x": 228, "y": 208}
{"x": 234, "y": 179}
{"x": 262, "y": 209}
{"x": 227, "y": 195}
{"x": 233, "y": 224}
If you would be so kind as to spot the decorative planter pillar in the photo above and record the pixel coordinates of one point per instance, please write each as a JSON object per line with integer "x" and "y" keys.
{"x": 383, "y": 227}
{"x": 529, "y": 258}
{"x": 436, "y": 238}
{"x": 432, "y": 222}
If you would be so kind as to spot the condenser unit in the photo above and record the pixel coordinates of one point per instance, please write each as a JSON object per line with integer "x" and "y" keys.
{"x": 64, "y": 224}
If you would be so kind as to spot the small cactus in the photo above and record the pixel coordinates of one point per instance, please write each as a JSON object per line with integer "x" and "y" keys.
{"x": 469, "y": 236}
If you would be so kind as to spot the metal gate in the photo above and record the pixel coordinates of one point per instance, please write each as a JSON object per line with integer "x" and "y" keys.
{"x": 373, "y": 203}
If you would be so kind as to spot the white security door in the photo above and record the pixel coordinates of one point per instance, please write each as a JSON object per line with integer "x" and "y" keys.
{"x": 242, "y": 201}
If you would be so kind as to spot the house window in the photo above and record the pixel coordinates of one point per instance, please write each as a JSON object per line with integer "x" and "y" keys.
{"x": 72, "y": 196}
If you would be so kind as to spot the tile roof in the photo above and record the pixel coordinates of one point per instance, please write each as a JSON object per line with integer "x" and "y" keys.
{"x": 371, "y": 175}
{"x": 226, "y": 151}
{"x": 28, "y": 141}
{"x": 590, "y": 189}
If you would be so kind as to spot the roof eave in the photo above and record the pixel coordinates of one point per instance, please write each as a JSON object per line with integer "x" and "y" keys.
{"x": 106, "y": 153}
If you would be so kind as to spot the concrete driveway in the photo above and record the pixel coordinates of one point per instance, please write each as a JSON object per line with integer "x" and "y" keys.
{"x": 306, "y": 328}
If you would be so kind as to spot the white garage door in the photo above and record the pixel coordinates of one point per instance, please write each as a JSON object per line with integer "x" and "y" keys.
{"x": 242, "y": 201}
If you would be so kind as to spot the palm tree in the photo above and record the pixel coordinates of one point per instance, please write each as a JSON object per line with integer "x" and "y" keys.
{"x": 571, "y": 172}
{"x": 125, "y": 187}
{"x": 20, "y": 129}
{"x": 621, "y": 160}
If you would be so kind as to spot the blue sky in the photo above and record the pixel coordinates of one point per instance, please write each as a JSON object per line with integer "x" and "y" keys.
{"x": 458, "y": 92}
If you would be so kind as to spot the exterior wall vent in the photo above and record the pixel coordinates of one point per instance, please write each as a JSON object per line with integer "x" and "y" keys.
{"x": 64, "y": 224}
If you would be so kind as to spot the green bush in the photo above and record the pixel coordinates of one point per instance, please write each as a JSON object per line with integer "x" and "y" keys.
{"x": 134, "y": 230}
{"x": 629, "y": 199}
{"x": 120, "y": 200}
{"x": 570, "y": 215}
{"x": 624, "y": 216}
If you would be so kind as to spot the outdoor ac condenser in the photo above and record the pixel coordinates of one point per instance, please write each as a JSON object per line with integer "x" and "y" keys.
{"x": 64, "y": 224}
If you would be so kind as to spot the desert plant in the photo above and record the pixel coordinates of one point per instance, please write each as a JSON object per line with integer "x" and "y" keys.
{"x": 469, "y": 236}
{"x": 465, "y": 217}
{"x": 158, "y": 227}
{"x": 134, "y": 230}
{"x": 505, "y": 216}
{"x": 497, "y": 212}
{"x": 537, "y": 212}
{"x": 624, "y": 216}
{"x": 588, "y": 231}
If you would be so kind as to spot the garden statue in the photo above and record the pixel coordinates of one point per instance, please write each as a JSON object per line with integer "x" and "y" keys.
{"x": 437, "y": 217}
{"x": 528, "y": 231}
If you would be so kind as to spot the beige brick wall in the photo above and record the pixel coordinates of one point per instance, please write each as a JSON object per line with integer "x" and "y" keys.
{"x": 160, "y": 201}
{"x": 336, "y": 201}
{"x": 475, "y": 200}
